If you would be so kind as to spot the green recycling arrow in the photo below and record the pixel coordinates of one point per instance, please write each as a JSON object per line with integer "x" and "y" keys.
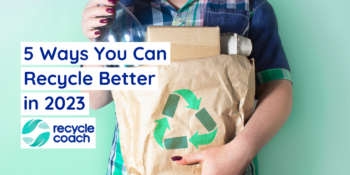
{"x": 159, "y": 132}
{"x": 205, "y": 118}
{"x": 191, "y": 99}
{"x": 176, "y": 143}
{"x": 171, "y": 105}
{"x": 202, "y": 115}
{"x": 203, "y": 139}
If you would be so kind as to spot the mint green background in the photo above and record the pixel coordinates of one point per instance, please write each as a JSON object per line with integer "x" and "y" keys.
{"x": 315, "y": 139}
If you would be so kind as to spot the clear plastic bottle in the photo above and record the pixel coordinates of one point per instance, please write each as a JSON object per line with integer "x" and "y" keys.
{"x": 121, "y": 27}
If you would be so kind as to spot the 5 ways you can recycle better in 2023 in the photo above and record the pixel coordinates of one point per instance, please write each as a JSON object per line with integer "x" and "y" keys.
{"x": 202, "y": 115}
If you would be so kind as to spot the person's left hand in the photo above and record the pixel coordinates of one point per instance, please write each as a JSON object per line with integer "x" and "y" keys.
{"x": 223, "y": 160}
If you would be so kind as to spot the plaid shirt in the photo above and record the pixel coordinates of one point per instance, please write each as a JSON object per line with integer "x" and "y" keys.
{"x": 250, "y": 18}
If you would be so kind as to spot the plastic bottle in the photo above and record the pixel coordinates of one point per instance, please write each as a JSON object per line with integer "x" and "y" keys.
{"x": 121, "y": 27}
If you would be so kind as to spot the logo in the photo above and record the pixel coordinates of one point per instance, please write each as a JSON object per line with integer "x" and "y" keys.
{"x": 58, "y": 133}
{"x": 41, "y": 139}
{"x": 202, "y": 115}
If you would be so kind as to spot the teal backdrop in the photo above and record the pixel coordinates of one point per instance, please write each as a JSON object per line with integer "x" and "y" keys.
{"x": 314, "y": 140}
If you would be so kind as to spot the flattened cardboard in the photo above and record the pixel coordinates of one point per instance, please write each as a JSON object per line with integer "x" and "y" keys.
{"x": 187, "y": 42}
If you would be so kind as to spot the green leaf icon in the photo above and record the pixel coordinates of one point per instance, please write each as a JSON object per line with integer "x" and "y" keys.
{"x": 28, "y": 140}
{"x": 41, "y": 139}
{"x": 43, "y": 125}
{"x": 30, "y": 126}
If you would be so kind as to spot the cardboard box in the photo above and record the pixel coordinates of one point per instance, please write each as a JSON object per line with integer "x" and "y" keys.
{"x": 187, "y": 42}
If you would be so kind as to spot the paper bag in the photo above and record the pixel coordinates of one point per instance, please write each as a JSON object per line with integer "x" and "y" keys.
{"x": 200, "y": 103}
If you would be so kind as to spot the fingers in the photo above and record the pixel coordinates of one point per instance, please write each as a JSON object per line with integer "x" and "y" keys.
{"x": 91, "y": 33}
{"x": 92, "y": 12}
{"x": 188, "y": 159}
{"x": 89, "y": 26}
{"x": 91, "y": 23}
{"x": 101, "y": 2}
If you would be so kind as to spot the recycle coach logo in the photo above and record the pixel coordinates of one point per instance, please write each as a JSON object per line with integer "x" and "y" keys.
{"x": 32, "y": 125}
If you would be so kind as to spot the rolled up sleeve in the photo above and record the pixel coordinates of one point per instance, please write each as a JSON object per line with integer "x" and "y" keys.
{"x": 270, "y": 59}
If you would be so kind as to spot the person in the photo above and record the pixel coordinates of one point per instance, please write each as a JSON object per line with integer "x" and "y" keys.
{"x": 254, "y": 19}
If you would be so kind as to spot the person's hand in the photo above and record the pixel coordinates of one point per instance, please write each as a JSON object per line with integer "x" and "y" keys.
{"x": 223, "y": 160}
{"x": 90, "y": 19}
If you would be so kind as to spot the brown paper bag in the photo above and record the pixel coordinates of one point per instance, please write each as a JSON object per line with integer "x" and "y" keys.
{"x": 200, "y": 103}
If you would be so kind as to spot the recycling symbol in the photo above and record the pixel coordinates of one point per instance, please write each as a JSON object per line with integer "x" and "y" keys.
{"x": 202, "y": 115}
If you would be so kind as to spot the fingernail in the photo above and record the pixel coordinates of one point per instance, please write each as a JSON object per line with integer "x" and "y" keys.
{"x": 112, "y": 1}
{"x": 97, "y": 32}
{"x": 103, "y": 21}
{"x": 176, "y": 158}
{"x": 110, "y": 10}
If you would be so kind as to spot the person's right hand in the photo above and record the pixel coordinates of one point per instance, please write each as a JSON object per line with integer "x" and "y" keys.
{"x": 91, "y": 21}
